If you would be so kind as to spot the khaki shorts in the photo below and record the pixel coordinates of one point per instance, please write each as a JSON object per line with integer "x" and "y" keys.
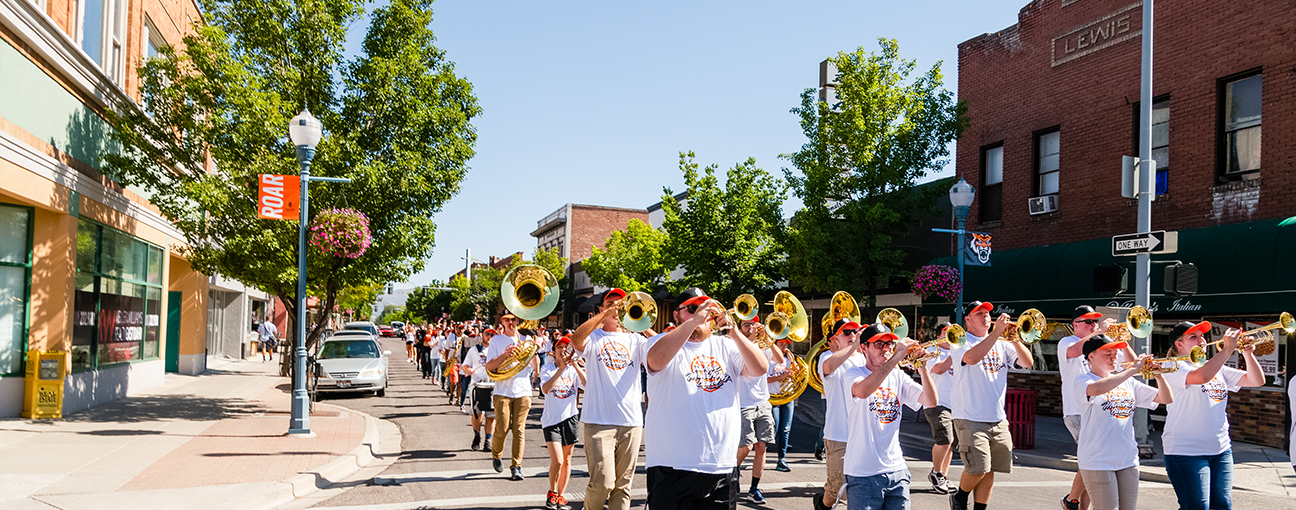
{"x": 984, "y": 447}
{"x": 757, "y": 425}
{"x": 941, "y": 424}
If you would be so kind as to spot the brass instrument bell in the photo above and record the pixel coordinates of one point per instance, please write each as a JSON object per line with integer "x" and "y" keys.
{"x": 637, "y": 312}
{"x": 895, "y": 320}
{"x": 789, "y": 319}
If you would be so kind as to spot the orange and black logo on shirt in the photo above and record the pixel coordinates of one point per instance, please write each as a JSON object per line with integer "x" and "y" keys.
{"x": 1120, "y": 403}
{"x": 1215, "y": 389}
{"x": 707, "y": 374}
{"x": 614, "y": 356}
{"x": 885, "y": 405}
{"x": 992, "y": 361}
{"x": 564, "y": 388}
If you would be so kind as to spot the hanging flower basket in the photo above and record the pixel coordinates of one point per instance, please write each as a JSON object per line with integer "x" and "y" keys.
{"x": 937, "y": 280}
{"x": 341, "y": 233}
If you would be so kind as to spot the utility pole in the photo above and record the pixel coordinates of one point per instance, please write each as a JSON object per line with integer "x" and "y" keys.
{"x": 467, "y": 258}
{"x": 1146, "y": 193}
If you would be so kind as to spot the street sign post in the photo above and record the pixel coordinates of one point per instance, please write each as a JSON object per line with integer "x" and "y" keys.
{"x": 1158, "y": 241}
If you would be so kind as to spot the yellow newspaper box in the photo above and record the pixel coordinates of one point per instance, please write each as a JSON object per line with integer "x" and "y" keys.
{"x": 43, "y": 397}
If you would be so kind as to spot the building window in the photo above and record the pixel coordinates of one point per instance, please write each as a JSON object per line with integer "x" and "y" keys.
{"x": 1047, "y": 148}
{"x": 103, "y": 34}
{"x": 1242, "y": 125}
{"x": 118, "y": 303}
{"x": 1160, "y": 140}
{"x": 15, "y": 285}
{"x": 991, "y": 208}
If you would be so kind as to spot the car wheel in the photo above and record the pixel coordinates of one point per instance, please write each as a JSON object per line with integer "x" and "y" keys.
{"x": 383, "y": 391}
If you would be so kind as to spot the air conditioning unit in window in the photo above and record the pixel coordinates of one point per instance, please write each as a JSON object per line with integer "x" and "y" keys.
{"x": 1042, "y": 205}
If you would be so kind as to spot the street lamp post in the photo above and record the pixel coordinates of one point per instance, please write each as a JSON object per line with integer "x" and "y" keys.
{"x": 305, "y": 131}
{"x": 960, "y": 196}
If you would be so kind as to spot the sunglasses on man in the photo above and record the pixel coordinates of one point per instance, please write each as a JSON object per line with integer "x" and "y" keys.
{"x": 1088, "y": 321}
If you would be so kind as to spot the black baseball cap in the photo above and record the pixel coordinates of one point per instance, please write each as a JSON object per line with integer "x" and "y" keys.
{"x": 969, "y": 308}
{"x": 1187, "y": 328}
{"x": 1098, "y": 342}
{"x": 1085, "y": 312}
{"x": 692, "y": 296}
{"x": 877, "y": 333}
{"x": 842, "y": 324}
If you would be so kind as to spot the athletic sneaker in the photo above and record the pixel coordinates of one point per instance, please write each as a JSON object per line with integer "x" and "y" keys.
{"x": 499, "y": 466}
{"x": 756, "y": 496}
{"x": 551, "y": 501}
{"x": 516, "y": 473}
{"x": 939, "y": 482}
{"x": 782, "y": 466}
{"x": 1070, "y": 504}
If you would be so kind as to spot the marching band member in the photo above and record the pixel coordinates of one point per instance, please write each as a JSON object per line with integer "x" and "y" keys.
{"x": 1107, "y": 453}
{"x": 938, "y": 417}
{"x": 482, "y": 404}
{"x": 560, "y": 379}
{"x": 1085, "y": 323}
{"x": 757, "y": 415}
{"x": 844, "y": 342}
{"x": 512, "y": 396}
{"x": 612, "y": 414}
{"x": 980, "y": 387}
{"x": 783, "y": 413}
{"x": 692, "y": 427}
{"x": 1198, "y": 451}
{"x": 876, "y": 475}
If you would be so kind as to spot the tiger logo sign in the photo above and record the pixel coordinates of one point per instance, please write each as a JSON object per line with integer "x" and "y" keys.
{"x": 979, "y": 249}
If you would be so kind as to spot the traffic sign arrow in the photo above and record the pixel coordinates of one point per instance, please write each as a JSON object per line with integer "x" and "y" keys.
{"x": 1145, "y": 242}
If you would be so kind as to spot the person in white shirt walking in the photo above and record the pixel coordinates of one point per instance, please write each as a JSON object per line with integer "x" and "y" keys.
{"x": 692, "y": 427}
{"x": 482, "y": 403}
{"x": 613, "y": 414}
{"x": 757, "y": 415}
{"x": 1085, "y": 323}
{"x": 560, "y": 379}
{"x": 267, "y": 336}
{"x": 512, "y": 396}
{"x": 939, "y": 418}
{"x": 876, "y": 475}
{"x": 1107, "y": 453}
{"x": 1198, "y": 451}
{"x": 844, "y": 342}
{"x": 980, "y": 388}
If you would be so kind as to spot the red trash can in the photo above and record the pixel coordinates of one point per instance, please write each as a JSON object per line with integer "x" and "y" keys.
{"x": 1020, "y": 407}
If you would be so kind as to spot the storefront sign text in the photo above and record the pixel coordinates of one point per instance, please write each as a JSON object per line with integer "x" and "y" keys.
{"x": 1104, "y": 32}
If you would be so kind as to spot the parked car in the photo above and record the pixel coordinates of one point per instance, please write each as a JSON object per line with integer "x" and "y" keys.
{"x": 352, "y": 361}
{"x": 386, "y": 331}
{"x": 363, "y": 326}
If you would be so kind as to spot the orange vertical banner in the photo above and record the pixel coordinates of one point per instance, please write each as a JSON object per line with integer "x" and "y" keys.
{"x": 279, "y": 197}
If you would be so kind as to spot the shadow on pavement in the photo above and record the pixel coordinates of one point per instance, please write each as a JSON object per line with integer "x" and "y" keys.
{"x": 166, "y": 407}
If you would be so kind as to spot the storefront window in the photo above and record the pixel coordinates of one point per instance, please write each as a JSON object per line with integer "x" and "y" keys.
{"x": 15, "y": 275}
{"x": 118, "y": 300}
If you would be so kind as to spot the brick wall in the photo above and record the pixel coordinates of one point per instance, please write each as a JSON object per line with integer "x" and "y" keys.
{"x": 1015, "y": 87}
{"x": 592, "y": 225}
{"x": 1047, "y": 388}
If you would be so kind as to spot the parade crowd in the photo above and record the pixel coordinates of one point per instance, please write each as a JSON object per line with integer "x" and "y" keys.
{"x": 705, "y": 384}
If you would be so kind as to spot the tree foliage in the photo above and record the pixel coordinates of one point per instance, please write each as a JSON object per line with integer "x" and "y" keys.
{"x": 396, "y": 121}
{"x": 856, "y": 174}
{"x": 359, "y": 299}
{"x": 634, "y": 259}
{"x": 426, "y": 304}
{"x": 480, "y": 298}
{"x": 727, "y": 238}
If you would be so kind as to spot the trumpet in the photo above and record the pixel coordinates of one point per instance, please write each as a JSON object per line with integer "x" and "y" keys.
{"x": 919, "y": 354}
{"x": 1197, "y": 357}
{"x": 1138, "y": 324}
{"x": 1262, "y": 338}
{"x": 1029, "y": 328}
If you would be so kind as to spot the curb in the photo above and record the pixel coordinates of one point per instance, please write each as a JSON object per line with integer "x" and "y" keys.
{"x": 1034, "y": 460}
{"x": 285, "y": 491}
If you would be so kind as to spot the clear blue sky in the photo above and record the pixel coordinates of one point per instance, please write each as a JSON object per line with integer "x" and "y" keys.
{"x": 591, "y": 101}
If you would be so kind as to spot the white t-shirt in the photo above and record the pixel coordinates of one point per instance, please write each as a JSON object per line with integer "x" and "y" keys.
{"x": 1071, "y": 369}
{"x": 518, "y": 385}
{"x": 476, "y": 360}
{"x": 837, "y": 391}
{"x": 614, "y": 391}
{"x": 1197, "y": 421}
{"x": 560, "y": 402}
{"x": 943, "y": 383}
{"x": 979, "y": 389}
{"x": 757, "y": 390}
{"x": 873, "y": 445}
{"x": 1106, "y": 423}
{"x": 448, "y": 343}
{"x": 693, "y": 421}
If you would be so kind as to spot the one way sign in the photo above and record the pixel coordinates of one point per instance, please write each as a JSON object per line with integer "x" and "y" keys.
{"x": 1147, "y": 242}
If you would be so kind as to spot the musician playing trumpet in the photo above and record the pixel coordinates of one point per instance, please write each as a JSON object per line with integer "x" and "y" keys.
{"x": 757, "y": 413}
{"x": 1107, "y": 453}
{"x": 1198, "y": 452}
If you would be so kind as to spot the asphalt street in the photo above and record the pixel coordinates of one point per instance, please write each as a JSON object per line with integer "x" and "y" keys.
{"x": 436, "y": 469}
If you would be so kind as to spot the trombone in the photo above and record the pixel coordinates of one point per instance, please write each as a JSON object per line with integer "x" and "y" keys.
{"x": 637, "y": 312}
{"x": 1197, "y": 357}
{"x": 1263, "y": 337}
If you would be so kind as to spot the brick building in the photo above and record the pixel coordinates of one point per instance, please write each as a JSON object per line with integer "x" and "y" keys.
{"x": 1054, "y": 105}
{"x": 575, "y": 229}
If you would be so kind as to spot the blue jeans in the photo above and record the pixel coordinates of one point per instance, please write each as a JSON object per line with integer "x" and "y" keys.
{"x": 783, "y": 427}
{"x": 1202, "y": 480}
{"x": 888, "y": 491}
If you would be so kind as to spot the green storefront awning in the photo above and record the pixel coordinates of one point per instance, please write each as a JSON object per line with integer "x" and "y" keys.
{"x": 1245, "y": 269}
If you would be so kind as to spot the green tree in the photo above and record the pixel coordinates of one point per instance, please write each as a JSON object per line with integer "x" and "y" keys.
{"x": 391, "y": 313}
{"x": 856, "y": 174}
{"x": 359, "y": 299}
{"x": 476, "y": 299}
{"x": 726, "y": 238}
{"x": 428, "y": 303}
{"x": 396, "y": 121}
{"x": 634, "y": 259}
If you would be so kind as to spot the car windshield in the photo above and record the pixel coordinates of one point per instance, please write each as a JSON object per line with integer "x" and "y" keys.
{"x": 348, "y": 349}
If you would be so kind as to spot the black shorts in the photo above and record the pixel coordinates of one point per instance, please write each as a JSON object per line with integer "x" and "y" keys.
{"x": 483, "y": 401}
{"x": 563, "y": 432}
{"x": 676, "y": 488}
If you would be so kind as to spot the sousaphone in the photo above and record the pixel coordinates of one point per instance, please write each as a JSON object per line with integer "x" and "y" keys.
{"x": 531, "y": 293}
{"x": 842, "y": 306}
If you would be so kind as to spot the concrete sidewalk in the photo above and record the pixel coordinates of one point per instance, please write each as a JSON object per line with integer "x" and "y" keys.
{"x": 1255, "y": 468}
{"x": 216, "y": 440}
